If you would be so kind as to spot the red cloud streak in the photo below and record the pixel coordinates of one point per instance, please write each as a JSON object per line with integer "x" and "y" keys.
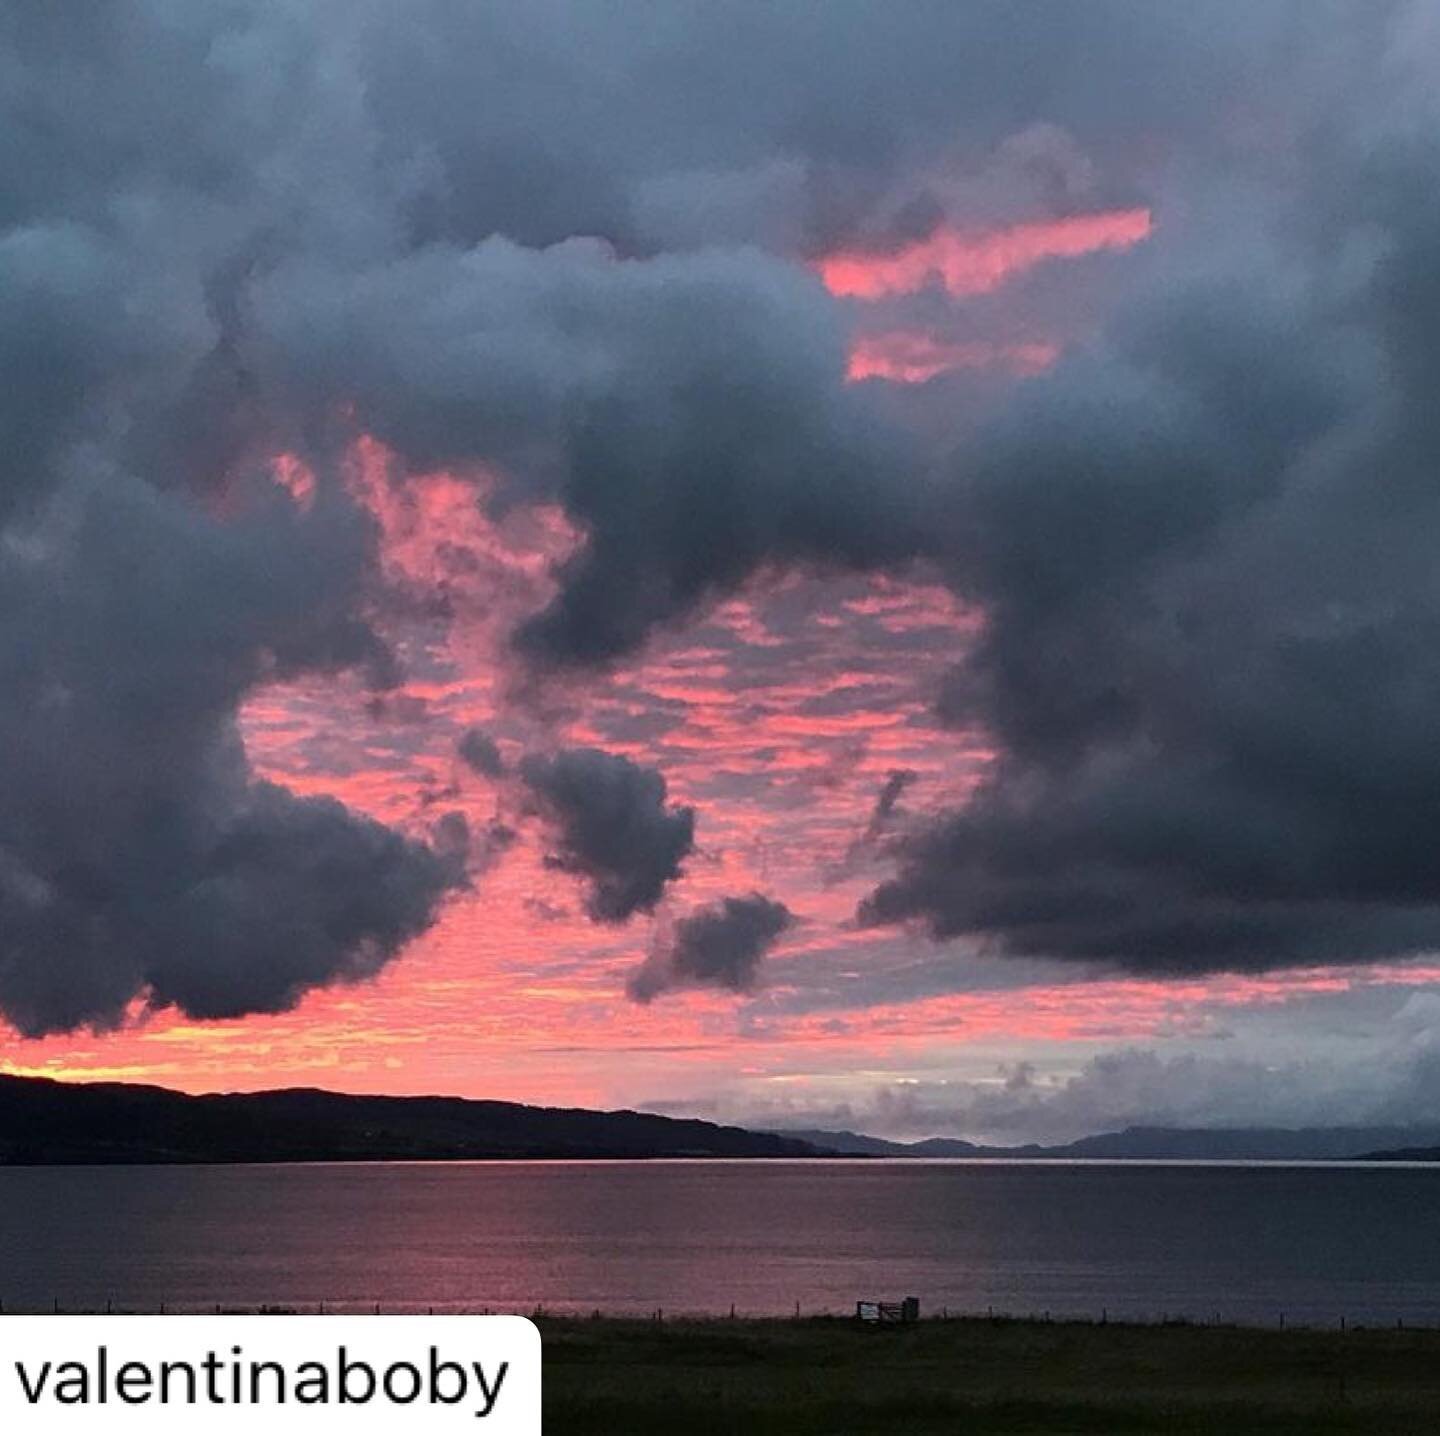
{"x": 971, "y": 262}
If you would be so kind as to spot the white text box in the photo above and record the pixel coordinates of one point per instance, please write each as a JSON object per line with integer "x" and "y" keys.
{"x": 324, "y": 1374}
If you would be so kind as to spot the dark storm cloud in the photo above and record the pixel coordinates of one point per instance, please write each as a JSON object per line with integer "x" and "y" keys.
{"x": 231, "y": 229}
{"x": 139, "y": 856}
{"x": 687, "y": 404}
{"x": 1210, "y": 658}
{"x": 751, "y": 122}
{"x": 690, "y": 411}
{"x": 610, "y": 826}
{"x": 718, "y": 946}
{"x": 148, "y": 584}
{"x": 479, "y": 751}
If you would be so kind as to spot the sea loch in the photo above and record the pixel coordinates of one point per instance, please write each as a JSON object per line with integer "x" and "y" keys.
{"x": 1259, "y": 1244}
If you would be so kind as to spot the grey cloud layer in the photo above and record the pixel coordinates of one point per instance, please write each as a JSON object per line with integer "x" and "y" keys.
{"x": 719, "y": 946}
{"x": 230, "y": 229}
{"x": 1392, "y": 1082}
{"x": 689, "y": 411}
{"x": 139, "y": 857}
{"x": 1210, "y": 657}
{"x": 1349, "y": 1059}
{"x": 610, "y": 825}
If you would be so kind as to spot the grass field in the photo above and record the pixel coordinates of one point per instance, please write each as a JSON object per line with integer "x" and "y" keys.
{"x": 803, "y": 1378}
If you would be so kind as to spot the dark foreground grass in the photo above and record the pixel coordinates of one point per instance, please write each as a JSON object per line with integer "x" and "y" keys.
{"x": 804, "y": 1378}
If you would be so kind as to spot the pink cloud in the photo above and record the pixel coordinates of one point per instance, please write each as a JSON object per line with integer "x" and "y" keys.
{"x": 906, "y": 356}
{"x": 969, "y": 262}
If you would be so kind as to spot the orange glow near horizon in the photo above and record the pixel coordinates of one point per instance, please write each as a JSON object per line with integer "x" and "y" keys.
{"x": 422, "y": 1032}
{"x": 971, "y": 262}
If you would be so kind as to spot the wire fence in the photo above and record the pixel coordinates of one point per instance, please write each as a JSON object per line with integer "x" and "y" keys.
{"x": 1278, "y": 1321}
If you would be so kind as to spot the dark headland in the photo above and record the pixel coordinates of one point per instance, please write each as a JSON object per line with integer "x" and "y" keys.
{"x": 46, "y": 1122}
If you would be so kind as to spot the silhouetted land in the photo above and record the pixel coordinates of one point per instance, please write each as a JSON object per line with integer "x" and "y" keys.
{"x": 804, "y": 1378}
{"x": 44, "y": 1122}
{"x": 53, "y": 1123}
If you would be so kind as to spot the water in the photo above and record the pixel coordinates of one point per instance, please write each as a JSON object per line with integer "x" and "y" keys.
{"x": 1245, "y": 1243}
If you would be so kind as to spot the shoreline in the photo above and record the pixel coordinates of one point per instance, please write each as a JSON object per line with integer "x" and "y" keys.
{"x": 829, "y": 1159}
{"x": 565, "y": 1319}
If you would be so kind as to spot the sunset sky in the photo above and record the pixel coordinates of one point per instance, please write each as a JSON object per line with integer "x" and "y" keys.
{"x": 817, "y": 565}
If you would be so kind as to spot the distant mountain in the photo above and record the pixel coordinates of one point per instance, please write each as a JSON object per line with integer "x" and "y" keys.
{"x": 951, "y": 1147}
{"x": 1405, "y": 1154}
{"x": 1305, "y": 1144}
{"x": 60, "y": 1122}
{"x": 1244, "y": 1144}
{"x": 857, "y": 1144}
